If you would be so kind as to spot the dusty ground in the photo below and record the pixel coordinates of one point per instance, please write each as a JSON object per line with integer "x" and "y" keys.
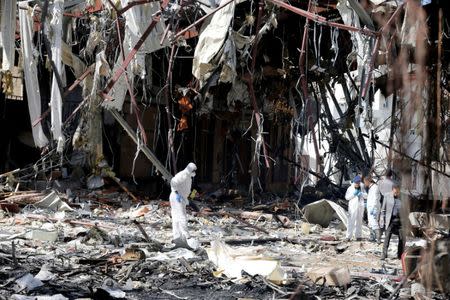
{"x": 100, "y": 253}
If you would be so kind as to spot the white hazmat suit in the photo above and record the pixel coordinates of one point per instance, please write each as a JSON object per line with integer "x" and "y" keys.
{"x": 355, "y": 210}
{"x": 181, "y": 188}
{"x": 373, "y": 206}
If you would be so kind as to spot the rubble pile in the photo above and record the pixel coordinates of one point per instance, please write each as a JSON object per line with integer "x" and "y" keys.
{"x": 88, "y": 249}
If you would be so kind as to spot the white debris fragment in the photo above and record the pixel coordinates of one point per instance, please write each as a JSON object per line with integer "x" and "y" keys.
{"x": 7, "y": 33}
{"x": 211, "y": 40}
{"x": 30, "y": 73}
{"x": 53, "y": 201}
{"x": 171, "y": 255}
{"x": 28, "y": 282}
{"x": 55, "y": 35}
{"x": 113, "y": 289}
{"x": 45, "y": 274}
{"x": 42, "y": 235}
{"x": 231, "y": 263}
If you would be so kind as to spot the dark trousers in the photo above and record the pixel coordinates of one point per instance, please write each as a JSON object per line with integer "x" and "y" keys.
{"x": 394, "y": 228}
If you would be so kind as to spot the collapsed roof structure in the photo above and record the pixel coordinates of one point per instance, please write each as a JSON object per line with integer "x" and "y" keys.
{"x": 318, "y": 88}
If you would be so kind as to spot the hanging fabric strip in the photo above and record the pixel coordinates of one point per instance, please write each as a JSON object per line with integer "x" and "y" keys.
{"x": 55, "y": 99}
{"x": 31, "y": 78}
{"x": 8, "y": 32}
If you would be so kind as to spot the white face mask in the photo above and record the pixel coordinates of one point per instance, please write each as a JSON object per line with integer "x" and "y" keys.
{"x": 193, "y": 174}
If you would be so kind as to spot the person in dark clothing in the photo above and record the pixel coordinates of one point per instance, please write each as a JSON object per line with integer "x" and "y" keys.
{"x": 390, "y": 211}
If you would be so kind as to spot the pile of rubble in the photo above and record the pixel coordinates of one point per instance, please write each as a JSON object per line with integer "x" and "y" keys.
{"x": 79, "y": 246}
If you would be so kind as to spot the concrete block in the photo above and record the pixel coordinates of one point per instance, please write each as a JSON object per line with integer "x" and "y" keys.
{"x": 333, "y": 276}
{"x": 42, "y": 235}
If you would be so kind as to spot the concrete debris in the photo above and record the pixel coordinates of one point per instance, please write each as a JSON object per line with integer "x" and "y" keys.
{"x": 45, "y": 274}
{"x": 53, "y": 201}
{"x": 28, "y": 282}
{"x": 417, "y": 290}
{"x": 42, "y": 235}
{"x": 232, "y": 262}
{"x": 112, "y": 289}
{"x": 95, "y": 182}
{"x": 319, "y": 212}
{"x": 324, "y": 211}
{"x": 108, "y": 237}
{"x": 330, "y": 276}
{"x": 437, "y": 221}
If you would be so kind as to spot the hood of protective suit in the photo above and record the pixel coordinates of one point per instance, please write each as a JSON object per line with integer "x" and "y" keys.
{"x": 191, "y": 168}
{"x": 182, "y": 181}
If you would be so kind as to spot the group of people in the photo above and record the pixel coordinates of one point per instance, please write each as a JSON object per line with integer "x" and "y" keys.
{"x": 381, "y": 200}
{"x": 383, "y": 205}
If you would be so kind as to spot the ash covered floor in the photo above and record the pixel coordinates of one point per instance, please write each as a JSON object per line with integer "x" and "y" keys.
{"x": 96, "y": 250}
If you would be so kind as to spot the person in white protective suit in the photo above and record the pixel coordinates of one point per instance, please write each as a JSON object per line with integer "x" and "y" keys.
{"x": 180, "y": 189}
{"x": 373, "y": 208}
{"x": 355, "y": 195}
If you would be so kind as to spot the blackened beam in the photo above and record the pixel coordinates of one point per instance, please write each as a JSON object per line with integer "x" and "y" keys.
{"x": 366, "y": 86}
{"x": 342, "y": 144}
{"x": 392, "y": 127}
{"x": 322, "y": 20}
{"x": 129, "y": 58}
{"x": 150, "y": 155}
{"x": 332, "y": 127}
{"x": 113, "y": 6}
{"x": 315, "y": 174}
{"x": 361, "y": 141}
{"x": 341, "y": 114}
{"x": 134, "y": 3}
{"x": 409, "y": 157}
{"x": 362, "y": 144}
{"x": 129, "y": 5}
{"x": 349, "y": 101}
{"x": 142, "y": 230}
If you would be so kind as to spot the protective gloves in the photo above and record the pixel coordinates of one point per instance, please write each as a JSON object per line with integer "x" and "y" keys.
{"x": 179, "y": 198}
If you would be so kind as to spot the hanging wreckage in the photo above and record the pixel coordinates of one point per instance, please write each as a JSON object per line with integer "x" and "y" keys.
{"x": 335, "y": 98}
{"x": 266, "y": 96}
